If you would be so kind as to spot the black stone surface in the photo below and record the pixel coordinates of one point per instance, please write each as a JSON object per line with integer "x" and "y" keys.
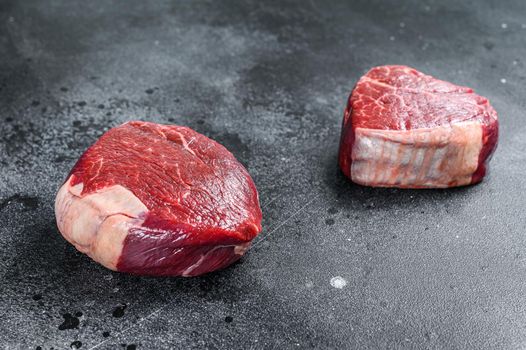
{"x": 423, "y": 269}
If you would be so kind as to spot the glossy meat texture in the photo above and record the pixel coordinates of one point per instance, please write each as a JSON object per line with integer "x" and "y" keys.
{"x": 402, "y": 128}
{"x": 159, "y": 200}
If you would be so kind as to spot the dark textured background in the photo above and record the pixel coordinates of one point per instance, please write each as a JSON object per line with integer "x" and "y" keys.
{"x": 424, "y": 269}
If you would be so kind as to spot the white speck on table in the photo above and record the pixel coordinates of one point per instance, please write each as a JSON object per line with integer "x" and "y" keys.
{"x": 503, "y": 81}
{"x": 338, "y": 282}
{"x": 504, "y": 25}
{"x": 321, "y": 100}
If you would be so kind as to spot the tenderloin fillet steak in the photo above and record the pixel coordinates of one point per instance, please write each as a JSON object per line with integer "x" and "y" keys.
{"x": 402, "y": 128}
{"x": 159, "y": 200}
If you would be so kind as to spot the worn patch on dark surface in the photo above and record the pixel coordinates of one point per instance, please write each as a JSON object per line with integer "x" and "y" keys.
{"x": 70, "y": 322}
{"x": 269, "y": 80}
{"x": 28, "y": 202}
{"x": 118, "y": 311}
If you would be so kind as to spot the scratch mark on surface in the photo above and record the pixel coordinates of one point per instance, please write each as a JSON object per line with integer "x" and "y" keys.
{"x": 286, "y": 220}
{"x": 132, "y": 326}
{"x": 269, "y": 202}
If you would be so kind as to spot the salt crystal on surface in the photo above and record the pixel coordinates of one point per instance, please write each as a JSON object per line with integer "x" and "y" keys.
{"x": 338, "y": 282}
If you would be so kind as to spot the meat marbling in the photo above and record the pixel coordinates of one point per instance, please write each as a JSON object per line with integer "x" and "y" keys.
{"x": 402, "y": 128}
{"x": 159, "y": 200}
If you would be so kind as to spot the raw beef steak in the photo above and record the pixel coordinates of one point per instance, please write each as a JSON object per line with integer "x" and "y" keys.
{"x": 159, "y": 200}
{"x": 402, "y": 128}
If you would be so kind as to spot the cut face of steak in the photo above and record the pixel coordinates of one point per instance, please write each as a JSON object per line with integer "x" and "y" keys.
{"x": 159, "y": 200}
{"x": 402, "y": 128}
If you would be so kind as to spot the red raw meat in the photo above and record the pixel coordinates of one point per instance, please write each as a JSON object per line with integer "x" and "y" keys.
{"x": 159, "y": 200}
{"x": 405, "y": 129}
